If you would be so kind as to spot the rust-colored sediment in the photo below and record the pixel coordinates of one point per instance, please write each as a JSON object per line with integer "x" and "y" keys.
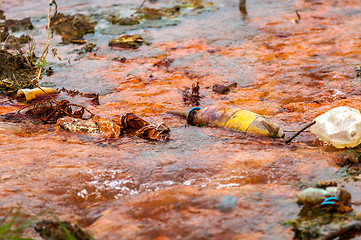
{"x": 135, "y": 189}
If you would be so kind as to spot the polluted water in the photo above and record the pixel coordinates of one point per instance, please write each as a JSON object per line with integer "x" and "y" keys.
{"x": 292, "y": 60}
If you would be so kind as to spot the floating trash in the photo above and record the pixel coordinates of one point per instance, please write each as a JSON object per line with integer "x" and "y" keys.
{"x": 326, "y": 214}
{"x": 31, "y": 94}
{"x": 113, "y": 129}
{"x": 107, "y": 128}
{"x": 321, "y": 197}
{"x": 152, "y": 132}
{"x": 235, "y": 119}
{"x": 77, "y": 125}
{"x": 340, "y": 126}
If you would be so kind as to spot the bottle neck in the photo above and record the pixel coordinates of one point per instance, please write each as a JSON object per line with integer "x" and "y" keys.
{"x": 190, "y": 116}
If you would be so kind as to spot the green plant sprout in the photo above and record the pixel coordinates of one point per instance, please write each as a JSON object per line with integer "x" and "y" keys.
{"x": 12, "y": 229}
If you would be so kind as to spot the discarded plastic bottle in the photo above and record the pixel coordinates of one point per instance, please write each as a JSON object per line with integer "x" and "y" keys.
{"x": 31, "y": 94}
{"x": 340, "y": 126}
{"x": 235, "y": 119}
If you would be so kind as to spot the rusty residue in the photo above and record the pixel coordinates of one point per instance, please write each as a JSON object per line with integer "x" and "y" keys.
{"x": 205, "y": 183}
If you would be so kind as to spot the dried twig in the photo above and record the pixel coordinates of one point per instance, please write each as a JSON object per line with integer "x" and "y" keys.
{"x": 45, "y": 53}
{"x": 177, "y": 113}
{"x": 297, "y": 133}
{"x": 140, "y": 7}
{"x": 48, "y": 39}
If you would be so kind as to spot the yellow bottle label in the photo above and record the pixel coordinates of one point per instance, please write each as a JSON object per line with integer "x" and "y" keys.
{"x": 241, "y": 120}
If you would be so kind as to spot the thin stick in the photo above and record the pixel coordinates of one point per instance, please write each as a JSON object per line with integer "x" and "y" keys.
{"x": 141, "y": 5}
{"x": 177, "y": 113}
{"x": 45, "y": 53}
{"x": 3, "y": 47}
{"x": 297, "y": 133}
{"x": 294, "y": 131}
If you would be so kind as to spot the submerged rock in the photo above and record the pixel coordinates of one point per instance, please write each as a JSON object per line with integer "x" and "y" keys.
{"x": 9, "y": 127}
{"x": 227, "y": 203}
{"x": 154, "y": 13}
{"x": 126, "y": 21}
{"x": 19, "y": 25}
{"x": 358, "y": 70}
{"x": 128, "y": 41}
{"x": 221, "y": 89}
{"x": 73, "y": 27}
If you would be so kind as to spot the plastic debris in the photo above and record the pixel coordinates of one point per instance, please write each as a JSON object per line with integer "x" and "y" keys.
{"x": 321, "y": 197}
{"x": 326, "y": 214}
{"x": 77, "y": 125}
{"x": 340, "y": 126}
{"x": 235, "y": 119}
{"x": 107, "y": 128}
{"x": 152, "y": 132}
{"x": 31, "y": 94}
{"x": 114, "y": 128}
{"x": 329, "y": 201}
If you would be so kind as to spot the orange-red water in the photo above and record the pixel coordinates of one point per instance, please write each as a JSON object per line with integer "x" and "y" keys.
{"x": 136, "y": 189}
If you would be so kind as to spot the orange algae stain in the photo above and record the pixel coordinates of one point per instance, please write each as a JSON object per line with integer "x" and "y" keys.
{"x": 282, "y": 54}
{"x": 298, "y": 72}
{"x": 10, "y": 108}
{"x": 329, "y": 53}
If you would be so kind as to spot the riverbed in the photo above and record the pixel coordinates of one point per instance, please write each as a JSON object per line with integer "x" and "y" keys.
{"x": 204, "y": 183}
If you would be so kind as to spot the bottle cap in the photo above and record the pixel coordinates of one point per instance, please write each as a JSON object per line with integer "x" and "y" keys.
{"x": 191, "y": 113}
